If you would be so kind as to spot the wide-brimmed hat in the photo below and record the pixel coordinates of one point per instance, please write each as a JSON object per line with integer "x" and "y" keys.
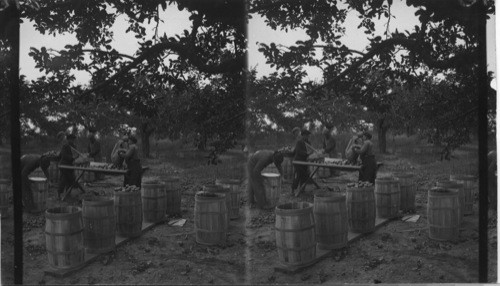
{"x": 295, "y": 129}
{"x": 305, "y": 132}
{"x": 70, "y": 136}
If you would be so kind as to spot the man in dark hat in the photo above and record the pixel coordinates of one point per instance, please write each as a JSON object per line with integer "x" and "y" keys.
{"x": 29, "y": 163}
{"x": 67, "y": 157}
{"x": 256, "y": 163}
{"x": 368, "y": 170}
{"x": 301, "y": 153}
{"x": 94, "y": 146}
{"x": 94, "y": 150}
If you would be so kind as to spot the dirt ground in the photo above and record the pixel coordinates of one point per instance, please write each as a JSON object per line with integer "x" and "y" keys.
{"x": 399, "y": 252}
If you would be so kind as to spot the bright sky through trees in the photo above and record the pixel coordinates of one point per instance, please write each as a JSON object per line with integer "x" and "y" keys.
{"x": 176, "y": 21}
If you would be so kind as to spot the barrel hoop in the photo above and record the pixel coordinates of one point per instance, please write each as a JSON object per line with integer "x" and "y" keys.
{"x": 297, "y": 249}
{"x": 212, "y": 212}
{"x": 224, "y": 230}
{"x": 328, "y": 214}
{"x": 438, "y": 226}
{"x": 295, "y": 230}
{"x": 64, "y": 234}
{"x": 386, "y": 194}
{"x": 358, "y": 202}
{"x": 444, "y": 208}
{"x": 157, "y": 197}
{"x": 65, "y": 252}
{"x": 101, "y": 237}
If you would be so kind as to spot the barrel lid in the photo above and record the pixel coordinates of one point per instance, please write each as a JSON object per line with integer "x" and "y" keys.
{"x": 294, "y": 208}
{"x": 208, "y": 195}
{"x": 449, "y": 184}
{"x": 463, "y": 177}
{"x": 329, "y": 196}
{"x": 228, "y": 181}
{"x": 439, "y": 191}
{"x": 37, "y": 179}
{"x": 171, "y": 179}
{"x": 97, "y": 200}
{"x": 404, "y": 175}
{"x": 270, "y": 175}
{"x": 386, "y": 178}
{"x": 62, "y": 211}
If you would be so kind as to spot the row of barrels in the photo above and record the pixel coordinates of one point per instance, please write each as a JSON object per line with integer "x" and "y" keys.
{"x": 300, "y": 227}
{"x": 69, "y": 231}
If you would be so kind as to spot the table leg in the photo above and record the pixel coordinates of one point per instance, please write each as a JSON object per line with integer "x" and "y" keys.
{"x": 309, "y": 179}
{"x": 69, "y": 188}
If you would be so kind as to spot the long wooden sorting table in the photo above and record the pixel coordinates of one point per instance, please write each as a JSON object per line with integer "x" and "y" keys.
{"x": 317, "y": 165}
{"x": 90, "y": 169}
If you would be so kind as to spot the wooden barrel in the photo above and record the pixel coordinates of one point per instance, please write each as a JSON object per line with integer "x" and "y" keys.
{"x": 154, "y": 201}
{"x": 330, "y": 217}
{"x": 53, "y": 172}
{"x": 173, "y": 192}
{"x": 64, "y": 237}
{"x": 287, "y": 167}
{"x": 461, "y": 195}
{"x": 408, "y": 190}
{"x": 40, "y": 189}
{"x": 99, "y": 223}
{"x": 5, "y": 191}
{"x": 387, "y": 197}
{"x": 221, "y": 191}
{"x": 469, "y": 188}
{"x": 272, "y": 183}
{"x": 128, "y": 211}
{"x": 295, "y": 233}
{"x": 5, "y": 166}
{"x": 443, "y": 214}
{"x": 360, "y": 203}
{"x": 210, "y": 218}
{"x": 234, "y": 196}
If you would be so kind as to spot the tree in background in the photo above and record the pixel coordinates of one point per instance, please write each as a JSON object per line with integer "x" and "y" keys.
{"x": 446, "y": 41}
{"x": 214, "y": 45}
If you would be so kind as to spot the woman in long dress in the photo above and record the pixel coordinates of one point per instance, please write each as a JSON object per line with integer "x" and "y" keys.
{"x": 368, "y": 170}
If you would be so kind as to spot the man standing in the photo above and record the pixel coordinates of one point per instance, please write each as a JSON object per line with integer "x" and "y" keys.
{"x": 118, "y": 151}
{"x": 256, "y": 163}
{"x": 67, "y": 177}
{"x": 94, "y": 147}
{"x": 329, "y": 143}
{"x": 29, "y": 163}
{"x": 301, "y": 172}
{"x": 133, "y": 177}
{"x": 94, "y": 150}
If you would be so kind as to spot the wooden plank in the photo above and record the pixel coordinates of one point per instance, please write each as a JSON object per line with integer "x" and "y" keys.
{"x": 99, "y": 170}
{"x": 331, "y": 166}
{"x": 91, "y": 257}
{"x": 322, "y": 253}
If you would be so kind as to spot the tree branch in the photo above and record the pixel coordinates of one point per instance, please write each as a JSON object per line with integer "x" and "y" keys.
{"x": 411, "y": 45}
{"x": 350, "y": 50}
{"x": 269, "y": 5}
{"x": 107, "y": 52}
{"x": 231, "y": 65}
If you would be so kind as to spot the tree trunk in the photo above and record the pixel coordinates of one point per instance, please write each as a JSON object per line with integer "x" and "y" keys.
{"x": 382, "y": 134}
